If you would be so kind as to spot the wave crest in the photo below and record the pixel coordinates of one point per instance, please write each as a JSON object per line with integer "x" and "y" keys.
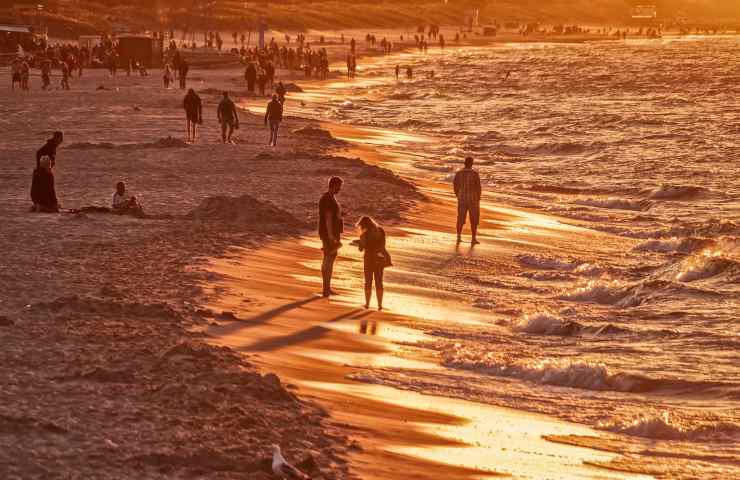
{"x": 662, "y": 427}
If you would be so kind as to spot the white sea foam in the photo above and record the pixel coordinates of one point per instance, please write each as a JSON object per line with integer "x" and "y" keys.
{"x": 603, "y": 292}
{"x": 664, "y": 427}
{"x": 547, "y": 263}
{"x": 616, "y": 203}
{"x": 545, "y": 323}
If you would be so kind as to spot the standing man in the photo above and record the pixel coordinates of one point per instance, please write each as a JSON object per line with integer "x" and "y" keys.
{"x": 468, "y": 192}
{"x": 331, "y": 226}
{"x": 228, "y": 118}
{"x": 184, "y": 67}
{"x": 50, "y": 149}
{"x": 274, "y": 115}
{"x": 193, "y": 113}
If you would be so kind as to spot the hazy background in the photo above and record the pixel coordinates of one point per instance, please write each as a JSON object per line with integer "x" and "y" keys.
{"x": 72, "y": 17}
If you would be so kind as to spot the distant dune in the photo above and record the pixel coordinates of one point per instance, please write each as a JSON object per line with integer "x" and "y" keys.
{"x": 68, "y": 18}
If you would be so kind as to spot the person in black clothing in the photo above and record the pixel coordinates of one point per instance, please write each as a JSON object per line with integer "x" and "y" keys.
{"x": 250, "y": 75}
{"x": 50, "y": 149}
{"x": 281, "y": 92}
{"x": 331, "y": 226}
{"x": 183, "y": 70}
{"x": 43, "y": 194}
{"x": 274, "y": 115}
{"x": 228, "y": 118}
{"x": 376, "y": 258}
{"x": 193, "y": 113}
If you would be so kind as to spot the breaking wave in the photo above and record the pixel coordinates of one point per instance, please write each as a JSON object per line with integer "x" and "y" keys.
{"x": 662, "y": 427}
{"x": 616, "y": 203}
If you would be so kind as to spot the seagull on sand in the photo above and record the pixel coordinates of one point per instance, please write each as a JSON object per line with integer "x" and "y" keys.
{"x": 283, "y": 469}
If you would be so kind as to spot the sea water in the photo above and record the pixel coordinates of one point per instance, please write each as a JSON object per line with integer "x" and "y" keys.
{"x": 637, "y": 139}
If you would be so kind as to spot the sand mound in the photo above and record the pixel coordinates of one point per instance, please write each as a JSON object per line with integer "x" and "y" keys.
{"x": 168, "y": 142}
{"x": 292, "y": 87}
{"x": 246, "y": 211}
{"x": 313, "y": 131}
{"x": 384, "y": 175}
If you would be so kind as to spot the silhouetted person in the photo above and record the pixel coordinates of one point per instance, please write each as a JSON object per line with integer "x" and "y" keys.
{"x": 228, "y": 118}
{"x": 125, "y": 204}
{"x": 273, "y": 116}
{"x": 193, "y": 113}
{"x": 468, "y": 192}
{"x": 250, "y": 75}
{"x": 183, "y": 69}
{"x": 50, "y": 148}
{"x": 281, "y": 92}
{"x": 375, "y": 258}
{"x": 398, "y": 71}
{"x": 331, "y": 226}
{"x": 43, "y": 194}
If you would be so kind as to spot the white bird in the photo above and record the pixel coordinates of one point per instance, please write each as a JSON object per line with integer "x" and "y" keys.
{"x": 283, "y": 469}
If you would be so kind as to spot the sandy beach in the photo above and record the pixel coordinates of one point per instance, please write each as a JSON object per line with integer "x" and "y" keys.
{"x": 186, "y": 343}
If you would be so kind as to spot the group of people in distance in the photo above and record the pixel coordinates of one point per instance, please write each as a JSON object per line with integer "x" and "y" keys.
{"x": 372, "y": 240}
{"x": 228, "y": 116}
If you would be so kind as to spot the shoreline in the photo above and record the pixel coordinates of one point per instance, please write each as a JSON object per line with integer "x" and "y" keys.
{"x": 311, "y": 343}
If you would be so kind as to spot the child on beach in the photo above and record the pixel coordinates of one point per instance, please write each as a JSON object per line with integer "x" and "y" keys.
{"x": 125, "y": 204}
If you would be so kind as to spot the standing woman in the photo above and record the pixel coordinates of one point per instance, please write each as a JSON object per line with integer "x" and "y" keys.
{"x": 376, "y": 258}
{"x": 193, "y": 113}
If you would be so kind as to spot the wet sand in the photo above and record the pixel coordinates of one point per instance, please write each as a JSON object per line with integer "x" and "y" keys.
{"x": 322, "y": 346}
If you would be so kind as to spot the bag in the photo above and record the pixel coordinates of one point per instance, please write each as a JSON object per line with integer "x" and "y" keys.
{"x": 384, "y": 259}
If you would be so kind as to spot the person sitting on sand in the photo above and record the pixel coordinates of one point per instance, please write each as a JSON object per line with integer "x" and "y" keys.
{"x": 468, "y": 192}
{"x": 43, "y": 194}
{"x": 193, "y": 113}
{"x": 376, "y": 258}
{"x": 50, "y": 148}
{"x": 125, "y": 204}
{"x": 228, "y": 118}
{"x": 331, "y": 226}
{"x": 273, "y": 116}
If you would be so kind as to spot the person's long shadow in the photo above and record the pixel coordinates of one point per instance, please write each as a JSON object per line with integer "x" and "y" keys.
{"x": 302, "y": 336}
{"x": 261, "y": 318}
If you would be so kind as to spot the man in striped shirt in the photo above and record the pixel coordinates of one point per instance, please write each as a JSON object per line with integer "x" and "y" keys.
{"x": 468, "y": 192}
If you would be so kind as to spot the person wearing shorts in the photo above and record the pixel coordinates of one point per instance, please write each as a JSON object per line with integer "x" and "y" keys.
{"x": 468, "y": 192}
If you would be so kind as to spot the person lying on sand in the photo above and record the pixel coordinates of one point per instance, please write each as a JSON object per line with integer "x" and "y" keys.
{"x": 331, "y": 226}
{"x": 43, "y": 194}
{"x": 125, "y": 204}
{"x": 228, "y": 118}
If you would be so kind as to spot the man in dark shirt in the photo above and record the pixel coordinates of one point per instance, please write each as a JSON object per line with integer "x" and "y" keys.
{"x": 273, "y": 116}
{"x": 331, "y": 226}
{"x": 468, "y": 192}
{"x": 43, "y": 194}
{"x": 50, "y": 149}
{"x": 228, "y": 118}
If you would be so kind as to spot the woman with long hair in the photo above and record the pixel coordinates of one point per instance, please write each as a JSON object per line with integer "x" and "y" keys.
{"x": 376, "y": 258}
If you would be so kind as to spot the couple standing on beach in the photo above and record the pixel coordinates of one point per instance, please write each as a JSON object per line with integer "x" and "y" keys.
{"x": 372, "y": 241}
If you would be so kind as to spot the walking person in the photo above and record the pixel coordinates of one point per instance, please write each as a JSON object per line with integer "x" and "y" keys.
{"x": 468, "y": 192}
{"x": 183, "y": 71}
{"x": 228, "y": 118}
{"x": 193, "y": 113}
{"x": 273, "y": 116}
{"x": 375, "y": 258}
{"x": 331, "y": 226}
